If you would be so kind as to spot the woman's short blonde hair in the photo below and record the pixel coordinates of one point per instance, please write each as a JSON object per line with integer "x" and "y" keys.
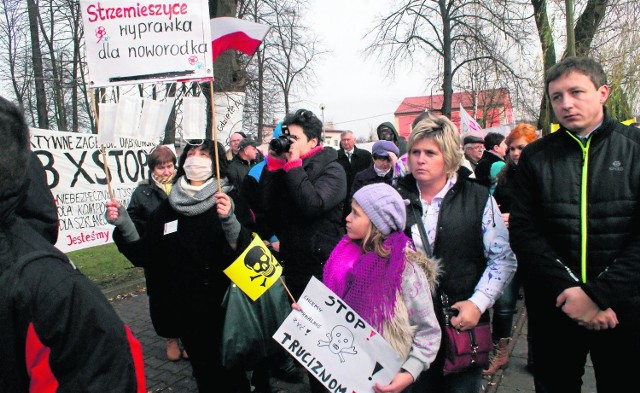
{"x": 445, "y": 135}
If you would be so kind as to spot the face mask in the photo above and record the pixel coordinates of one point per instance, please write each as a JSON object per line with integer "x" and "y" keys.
{"x": 198, "y": 168}
{"x": 380, "y": 172}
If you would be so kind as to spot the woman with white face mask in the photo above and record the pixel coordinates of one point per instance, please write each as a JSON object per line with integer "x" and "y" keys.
{"x": 189, "y": 240}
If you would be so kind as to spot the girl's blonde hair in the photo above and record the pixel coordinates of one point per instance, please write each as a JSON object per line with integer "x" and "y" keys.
{"x": 445, "y": 135}
{"x": 374, "y": 241}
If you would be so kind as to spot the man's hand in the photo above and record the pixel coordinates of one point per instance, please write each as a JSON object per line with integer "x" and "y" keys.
{"x": 577, "y": 305}
{"x": 606, "y": 319}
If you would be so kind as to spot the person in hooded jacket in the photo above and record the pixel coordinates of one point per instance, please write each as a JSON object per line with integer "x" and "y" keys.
{"x": 39, "y": 209}
{"x": 50, "y": 336}
{"x": 199, "y": 230}
{"x": 387, "y": 132}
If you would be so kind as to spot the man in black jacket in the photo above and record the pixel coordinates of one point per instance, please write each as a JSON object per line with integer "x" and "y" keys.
{"x": 353, "y": 160}
{"x": 494, "y": 150}
{"x": 57, "y": 330}
{"x": 574, "y": 227}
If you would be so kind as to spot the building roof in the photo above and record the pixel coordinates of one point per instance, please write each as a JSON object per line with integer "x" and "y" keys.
{"x": 484, "y": 98}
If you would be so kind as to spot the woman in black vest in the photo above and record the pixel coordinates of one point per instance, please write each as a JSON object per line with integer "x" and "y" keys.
{"x": 463, "y": 230}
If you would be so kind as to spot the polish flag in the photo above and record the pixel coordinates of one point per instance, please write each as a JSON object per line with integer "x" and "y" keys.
{"x": 239, "y": 34}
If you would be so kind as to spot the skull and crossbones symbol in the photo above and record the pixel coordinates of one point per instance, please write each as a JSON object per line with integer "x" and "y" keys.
{"x": 340, "y": 341}
{"x": 263, "y": 264}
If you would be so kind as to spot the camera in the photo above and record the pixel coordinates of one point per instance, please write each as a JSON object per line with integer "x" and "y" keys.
{"x": 281, "y": 144}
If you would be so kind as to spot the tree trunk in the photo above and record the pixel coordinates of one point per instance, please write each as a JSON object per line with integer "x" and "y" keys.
{"x": 447, "y": 77}
{"x": 38, "y": 69}
{"x": 587, "y": 25}
{"x": 547, "y": 43}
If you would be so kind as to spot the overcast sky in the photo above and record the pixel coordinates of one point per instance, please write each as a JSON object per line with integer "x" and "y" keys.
{"x": 357, "y": 95}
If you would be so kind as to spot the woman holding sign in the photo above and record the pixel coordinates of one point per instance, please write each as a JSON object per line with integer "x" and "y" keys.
{"x": 188, "y": 241}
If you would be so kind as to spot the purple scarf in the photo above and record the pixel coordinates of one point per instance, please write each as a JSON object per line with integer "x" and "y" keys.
{"x": 367, "y": 282}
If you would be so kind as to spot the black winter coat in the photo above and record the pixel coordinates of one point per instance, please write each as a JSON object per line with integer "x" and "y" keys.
{"x": 304, "y": 208}
{"x": 483, "y": 169}
{"x": 369, "y": 176}
{"x": 57, "y": 330}
{"x": 547, "y": 227}
{"x": 187, "y": 264}
{"x": 360, "y": 160}
{"x": 146, "y": 198}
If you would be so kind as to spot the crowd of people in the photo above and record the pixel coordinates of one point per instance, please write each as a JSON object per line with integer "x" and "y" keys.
{"x": 393, "y": 232}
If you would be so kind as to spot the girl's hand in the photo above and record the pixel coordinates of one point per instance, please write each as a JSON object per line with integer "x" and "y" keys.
{"x": 397, "y": 385}
{"x": 296, "y": 306}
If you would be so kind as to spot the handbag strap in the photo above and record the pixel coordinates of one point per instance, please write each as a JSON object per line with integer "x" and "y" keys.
{"x": 423, "y": 233}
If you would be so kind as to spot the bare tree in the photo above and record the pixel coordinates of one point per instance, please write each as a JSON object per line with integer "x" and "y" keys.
{"x": 456, "y": 33}
{"x": 606, "y": 30}
{"x": 294, "y": 49}
{"x": 284, "y": 62}
{"x": 13, "y": 38}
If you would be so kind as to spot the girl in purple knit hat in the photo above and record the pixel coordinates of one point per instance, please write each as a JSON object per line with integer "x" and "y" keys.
{"x": 376, "y": 270}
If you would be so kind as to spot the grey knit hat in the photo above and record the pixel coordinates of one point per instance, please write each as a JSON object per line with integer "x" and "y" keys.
{"x": 383, "y": 205}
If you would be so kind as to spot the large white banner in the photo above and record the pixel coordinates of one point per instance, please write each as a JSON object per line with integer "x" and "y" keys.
{"x": 335, "y": 345}
{"x": 75, "y": 172}
{"x": 129, "y": 42}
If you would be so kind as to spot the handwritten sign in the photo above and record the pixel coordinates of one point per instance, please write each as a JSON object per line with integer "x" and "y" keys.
{"x": 75, "y": 174}
{"x": 229, "y": 109}
{"x": 335, "y": 345}
{"x": 146, "y": 41}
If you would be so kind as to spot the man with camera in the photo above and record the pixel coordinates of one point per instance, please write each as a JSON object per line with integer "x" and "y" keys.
{"x": 302, "y": 194}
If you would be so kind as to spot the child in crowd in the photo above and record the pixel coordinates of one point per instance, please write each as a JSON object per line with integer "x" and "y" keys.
{"x": 376, "y": 271}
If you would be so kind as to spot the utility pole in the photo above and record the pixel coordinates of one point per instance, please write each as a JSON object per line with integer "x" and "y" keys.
{"x": 322, "y": 106}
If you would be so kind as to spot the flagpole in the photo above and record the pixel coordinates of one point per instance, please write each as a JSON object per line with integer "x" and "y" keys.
{"x": 215, "y": 133}
{"x": 104, "y": 154}
{"x": 287, "y": 289}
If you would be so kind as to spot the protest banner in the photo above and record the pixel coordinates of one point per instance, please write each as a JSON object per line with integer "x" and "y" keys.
{"x": 335, "y": 345}
{"x": 229, "y": 107}
{"x": 75, "y": 174}
{"x": 146, "y": 41}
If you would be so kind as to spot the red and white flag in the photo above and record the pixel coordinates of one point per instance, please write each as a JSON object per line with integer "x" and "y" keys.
{"x": 467, "y": 123}
{"x": 239, "y": 34}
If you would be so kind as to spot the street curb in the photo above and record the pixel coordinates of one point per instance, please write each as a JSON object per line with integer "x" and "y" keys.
{"x": 127, "y": 287}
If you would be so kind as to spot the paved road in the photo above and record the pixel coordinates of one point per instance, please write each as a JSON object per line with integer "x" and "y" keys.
{"x": 165, "y": 376}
